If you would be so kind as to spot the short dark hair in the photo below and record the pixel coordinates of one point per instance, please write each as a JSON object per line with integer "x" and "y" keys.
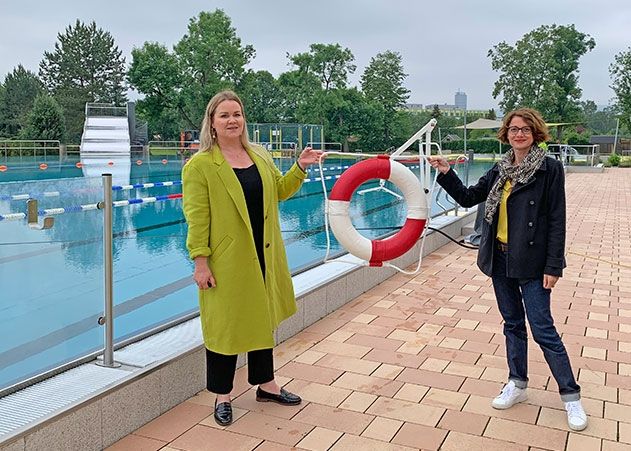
{"x": 534, "y": 120}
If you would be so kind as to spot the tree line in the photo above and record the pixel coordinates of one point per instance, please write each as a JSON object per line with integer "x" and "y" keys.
{"x": 541, "y": 70}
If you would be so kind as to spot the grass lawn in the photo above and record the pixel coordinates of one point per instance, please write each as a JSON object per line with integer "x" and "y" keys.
{"x": 158, "y": 151}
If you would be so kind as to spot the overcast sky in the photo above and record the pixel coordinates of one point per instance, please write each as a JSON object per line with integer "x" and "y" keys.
{"x": 444, "y": 44}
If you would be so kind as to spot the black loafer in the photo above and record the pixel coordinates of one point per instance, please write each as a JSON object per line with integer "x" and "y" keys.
{"x": 285, "y": 398}
{"x": 223, "y": 413}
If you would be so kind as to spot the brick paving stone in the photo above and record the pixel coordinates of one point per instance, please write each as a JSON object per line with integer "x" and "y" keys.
{"x": 382, "y": 429}
{"x": 343, "y": 363}
{"x": 358, "y": 401}
{"x": 406, "y": 411}
{"x": 420, "y": 437}
{"x": 614, "y": 446}
{"x": 445, "y": 398}
{"x": 411, "y": 392}
{"x": 305, "y": 372}
{"x": 369, "y": 384}
{"x": 171, "y": 424}
{"x": 431, "y": 378}
{"x": 350, "y": 442}
{"x": 334, "y": 418}
{"x": 457, "y": 441}
{"x": 526, "y": 434}
{"x": 198, "y": 438}
{"x": 394, "y": 358}
{"x": 319, "y": 439}
{"x": 469, "y": 423}
{"x": 274, "y": 429}
{"x": 385, "y": 344}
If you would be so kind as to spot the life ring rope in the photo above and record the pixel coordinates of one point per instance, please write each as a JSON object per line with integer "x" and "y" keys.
{"x": 377, "y": 252}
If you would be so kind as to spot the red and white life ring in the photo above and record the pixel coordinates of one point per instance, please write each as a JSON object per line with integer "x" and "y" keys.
{"x": 377, "y": 251}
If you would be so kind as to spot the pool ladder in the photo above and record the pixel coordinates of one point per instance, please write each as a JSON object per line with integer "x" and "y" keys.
{"x": 32, "y": 217}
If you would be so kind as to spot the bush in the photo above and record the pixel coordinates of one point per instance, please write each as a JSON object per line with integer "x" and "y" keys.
{"x": 614, "y": 159}
{"x": 477, "y": 145}
{"x": 625, "y": 162}
{"x": 45, "y": 120}
{"x": 573, "y": 138}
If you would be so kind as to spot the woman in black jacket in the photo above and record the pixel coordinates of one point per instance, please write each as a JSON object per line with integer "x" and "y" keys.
{"x": 522, "y": 250}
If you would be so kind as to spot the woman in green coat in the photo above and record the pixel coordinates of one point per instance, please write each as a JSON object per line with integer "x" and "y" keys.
{"x": 231, "y": 193}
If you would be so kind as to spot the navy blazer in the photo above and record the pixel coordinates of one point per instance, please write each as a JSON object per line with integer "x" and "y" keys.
{"x": 536, "y": 220}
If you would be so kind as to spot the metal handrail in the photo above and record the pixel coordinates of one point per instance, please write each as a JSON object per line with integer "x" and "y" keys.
{"x": 21, "y": 146}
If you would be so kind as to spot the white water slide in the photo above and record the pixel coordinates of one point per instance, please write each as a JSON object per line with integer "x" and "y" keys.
{"x": 106, "y": 131}
{"x": 105, "y": 142}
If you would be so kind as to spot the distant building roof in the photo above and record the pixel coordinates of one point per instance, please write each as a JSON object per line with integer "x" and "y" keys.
{"x": 602, "y": 139}
{"x": 451, "y": 137}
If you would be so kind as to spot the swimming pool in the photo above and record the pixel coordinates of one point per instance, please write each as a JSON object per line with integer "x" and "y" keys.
{"x": 51, "y": 281}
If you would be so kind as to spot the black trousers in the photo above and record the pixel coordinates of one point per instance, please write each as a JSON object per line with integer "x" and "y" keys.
{"x": 220, "y": 370}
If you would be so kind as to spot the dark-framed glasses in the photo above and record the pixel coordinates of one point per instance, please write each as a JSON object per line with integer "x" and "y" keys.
{"x": 525, "y": 130}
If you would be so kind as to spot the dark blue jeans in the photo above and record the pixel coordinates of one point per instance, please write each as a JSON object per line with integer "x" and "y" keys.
{"x": 521, "y": 298}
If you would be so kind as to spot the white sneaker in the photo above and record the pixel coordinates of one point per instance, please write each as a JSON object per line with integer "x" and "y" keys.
{"x": 576, "y": 416}
{"x": 509, "y": 396}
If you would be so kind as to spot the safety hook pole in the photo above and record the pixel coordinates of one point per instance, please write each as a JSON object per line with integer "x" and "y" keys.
{"x": 107, "y": 320}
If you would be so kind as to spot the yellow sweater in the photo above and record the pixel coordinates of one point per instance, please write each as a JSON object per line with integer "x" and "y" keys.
{"x": 502, "y": 222}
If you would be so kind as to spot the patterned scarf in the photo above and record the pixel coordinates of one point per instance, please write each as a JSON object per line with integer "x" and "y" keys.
{"x": 516, "y": 174}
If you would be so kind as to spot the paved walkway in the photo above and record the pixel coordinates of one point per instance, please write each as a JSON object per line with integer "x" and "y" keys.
{"x": 414, "y": 362}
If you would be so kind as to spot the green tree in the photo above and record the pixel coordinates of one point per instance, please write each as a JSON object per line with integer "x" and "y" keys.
{"x": 262, "y": 97}
{"x": 177, "y": 85}
{"x": 588, "y": 107}
{"x": 382, "y": 82}
{"x": 299, "y": 91}
{"x": 155, "y": 72}
{"x": 349, "y": 118}
{"x": 1, "y": 112}
{"x": 620, "y": 71}
{"x": 211, "y": 58}
{"x": 541, "y": 71}
{"x": 85, "y": 66}
{"x": 436, "y": 114}
{"x": 45, "y": 120}
{"x": 329, "y": 62}
{"x": 491, "y": 114}
{"x": 20, "y": 89}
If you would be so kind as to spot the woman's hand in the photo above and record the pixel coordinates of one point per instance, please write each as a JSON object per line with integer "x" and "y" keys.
{"x": 308, "y": 157}
{"x": 203, "y": 277}
{"x": 439, "y": 163}
{"x": 549, "y": 281}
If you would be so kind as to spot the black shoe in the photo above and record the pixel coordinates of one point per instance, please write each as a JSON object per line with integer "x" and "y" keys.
{"x": 285, "y": 398}
{"x": 223, "y": 413}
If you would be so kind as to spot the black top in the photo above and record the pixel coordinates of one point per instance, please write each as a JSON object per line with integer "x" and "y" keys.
{"x": 536, "y": 220}
{"x": 252, "y": 186}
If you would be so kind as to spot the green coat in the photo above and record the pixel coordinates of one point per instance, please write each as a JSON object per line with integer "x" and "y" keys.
{"x": 242, "y": 312}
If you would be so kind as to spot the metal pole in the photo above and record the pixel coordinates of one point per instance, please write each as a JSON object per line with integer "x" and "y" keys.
{"x": 107, "y": 319}
{"x": 464, "y": 118}
{"x": 615, "y": 140}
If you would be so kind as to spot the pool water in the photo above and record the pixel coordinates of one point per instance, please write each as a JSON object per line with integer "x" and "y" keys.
{"x": 51, "y": 281}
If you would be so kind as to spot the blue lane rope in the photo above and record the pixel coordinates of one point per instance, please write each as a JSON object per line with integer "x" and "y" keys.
{"x": 87, "y": 207}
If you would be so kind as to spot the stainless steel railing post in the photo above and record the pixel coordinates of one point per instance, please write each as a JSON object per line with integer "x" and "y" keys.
{"x": 107, "y": 320}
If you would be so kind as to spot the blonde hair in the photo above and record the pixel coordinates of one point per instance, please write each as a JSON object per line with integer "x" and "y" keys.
{"x": 208, "y": 138}
{"x": 531, "y": 117}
